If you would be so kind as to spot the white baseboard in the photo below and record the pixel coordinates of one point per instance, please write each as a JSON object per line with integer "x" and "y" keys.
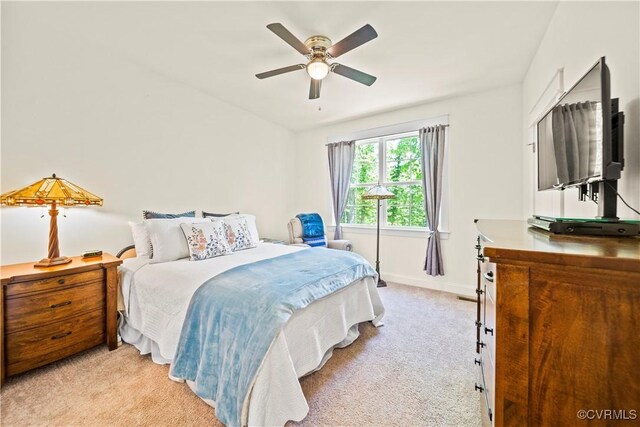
{"x": 428, "y": 284}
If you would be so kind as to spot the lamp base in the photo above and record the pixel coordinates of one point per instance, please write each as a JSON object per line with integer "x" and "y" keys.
{"x": 381, "y": 283}
{"x": 50, "y": 262}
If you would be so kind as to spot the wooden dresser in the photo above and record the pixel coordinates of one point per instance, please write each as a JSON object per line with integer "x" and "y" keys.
{"x": 50, "y": 313}
{"x": 558, "y": 327}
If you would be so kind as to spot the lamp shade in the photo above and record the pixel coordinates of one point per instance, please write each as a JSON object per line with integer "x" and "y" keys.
{"x": 48, "y": 191}
{"x": 378, "y": 192}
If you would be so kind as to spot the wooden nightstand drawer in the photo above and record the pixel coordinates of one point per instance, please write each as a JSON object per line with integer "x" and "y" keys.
{"x": 38, "y": 346}
{"x": 52, "y": 283}
{"x": 41, "y": 308}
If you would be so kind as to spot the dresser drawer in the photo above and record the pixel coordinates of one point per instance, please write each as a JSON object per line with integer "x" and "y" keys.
{"x": 489, "y": 328}
{"x": 41, "y": 308}
{"x": 488, "y": 318}
{"x": 489, "y": 372}
{"x": 486, "y": 376}
{"x": 38, "y": 346}
{"x": 54, "y": 283}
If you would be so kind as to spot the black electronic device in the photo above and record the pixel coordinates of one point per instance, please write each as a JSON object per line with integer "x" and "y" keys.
{"x": 585, "y": 227}
{"x": 92, "y": 254}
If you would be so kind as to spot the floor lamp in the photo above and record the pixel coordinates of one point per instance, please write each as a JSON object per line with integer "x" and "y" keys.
{"x": 378, "y": 192}
{"x": 53, "y": 192}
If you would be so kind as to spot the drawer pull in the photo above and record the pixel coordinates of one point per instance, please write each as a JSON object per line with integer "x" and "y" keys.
{"x": 60, "y": 304}
{"x": 476, "y": 361}
{"x": 488, "y": 330}
{"x": 61, "y": 281}
{"x": 57, "y": 337}
{"x": 488, "y": 276}
{"x": 480, "y": 258}
{"x": 481, "y": 344}
{"x": 479, "y": 388}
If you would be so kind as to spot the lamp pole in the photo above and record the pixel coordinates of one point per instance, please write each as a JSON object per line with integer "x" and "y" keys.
{"x": 381, "y": 283}
{"x": 378, "y": 192}
{"x": 54, "y": 249}
{"x": 53, "y": 257}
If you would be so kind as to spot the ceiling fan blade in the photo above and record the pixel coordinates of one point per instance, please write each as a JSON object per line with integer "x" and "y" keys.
{"x": 280, "y": 31}
{"x": 353, "y": 40}
{"x": 353, "y": 74}
{"x": 314, "y": 89}
{"x": 280, "y": 71}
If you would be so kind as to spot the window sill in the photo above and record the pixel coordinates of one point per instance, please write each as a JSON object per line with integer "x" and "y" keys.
{"x": 388, "y": 231}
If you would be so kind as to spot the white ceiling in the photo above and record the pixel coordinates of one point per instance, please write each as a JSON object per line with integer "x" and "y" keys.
{"x": 424, "y": 50}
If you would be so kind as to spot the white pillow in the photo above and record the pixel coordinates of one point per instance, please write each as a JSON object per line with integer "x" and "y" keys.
{"x": 206, "y": 240}
{"x": 141, "y": 239}
{"x": 167, "y": 238}
{"x": 236, "y": 229}
{"x": 251, "y": 223}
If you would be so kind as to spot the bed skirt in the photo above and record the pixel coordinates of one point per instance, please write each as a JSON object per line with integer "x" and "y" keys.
{"x": 303, "y": 346}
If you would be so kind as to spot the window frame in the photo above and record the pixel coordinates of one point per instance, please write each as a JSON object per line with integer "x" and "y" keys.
{"x": 381, "y": 135}
{"x": 382, "y": 142}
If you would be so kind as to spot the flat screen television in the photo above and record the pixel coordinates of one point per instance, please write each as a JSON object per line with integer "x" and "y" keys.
{"x": 581, "y": 142}
{"x": 575, "y": 141}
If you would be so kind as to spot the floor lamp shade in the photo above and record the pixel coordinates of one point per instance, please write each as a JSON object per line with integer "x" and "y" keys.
{"x": 378, "y": 192}
{"x": 52, "y": 192}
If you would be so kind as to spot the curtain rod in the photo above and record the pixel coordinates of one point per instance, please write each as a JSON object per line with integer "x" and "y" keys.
{"x": 389, "y": 134}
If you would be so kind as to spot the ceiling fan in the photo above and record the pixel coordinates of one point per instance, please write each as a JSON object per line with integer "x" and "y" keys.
{"x": 319, "y": 50}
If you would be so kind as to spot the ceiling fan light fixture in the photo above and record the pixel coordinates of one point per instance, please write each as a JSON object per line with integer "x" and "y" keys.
{"x": 317, "y": 68}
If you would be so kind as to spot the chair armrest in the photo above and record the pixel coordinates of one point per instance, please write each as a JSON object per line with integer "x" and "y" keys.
{"x": 127, "y": 252}
{"x": 344, "y": 245}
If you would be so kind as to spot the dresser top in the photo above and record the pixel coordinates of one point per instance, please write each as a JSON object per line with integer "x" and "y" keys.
{"x": 77, "y": 264}
{"x": 511, "y": 239}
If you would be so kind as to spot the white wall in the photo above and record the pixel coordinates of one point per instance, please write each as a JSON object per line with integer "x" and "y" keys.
{"x": 578, "y": 34}
{"x": 131, "y": 135}
{"x": 485, "y": 178}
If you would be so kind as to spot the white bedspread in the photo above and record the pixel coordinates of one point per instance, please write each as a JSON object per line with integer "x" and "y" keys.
{"x": 156, "y": 298}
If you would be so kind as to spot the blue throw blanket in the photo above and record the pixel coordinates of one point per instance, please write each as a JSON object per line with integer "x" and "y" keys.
{"x": 312, "y": 229}
{"x": 234, "y": 317}
{"x": 315, "y": 241}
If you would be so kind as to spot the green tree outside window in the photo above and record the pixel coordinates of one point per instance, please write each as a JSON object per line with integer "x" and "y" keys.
{"x": 396, "y": 162}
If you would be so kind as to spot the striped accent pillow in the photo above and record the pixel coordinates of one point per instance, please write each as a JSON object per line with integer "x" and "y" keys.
{"x": 158, "y": 215}
{"x": 217, "y": 215}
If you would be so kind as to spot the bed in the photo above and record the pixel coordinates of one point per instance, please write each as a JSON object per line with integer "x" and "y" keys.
{"x": 156, "y": 300}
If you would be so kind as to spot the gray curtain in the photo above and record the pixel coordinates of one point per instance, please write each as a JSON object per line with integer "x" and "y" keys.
{"x": 432, "y": 161}
{"x": 341, "y": 156}
{"x": 575, "y": 141}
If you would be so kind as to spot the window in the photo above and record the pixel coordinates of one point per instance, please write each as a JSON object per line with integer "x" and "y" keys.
{"x": 394, "y": 161}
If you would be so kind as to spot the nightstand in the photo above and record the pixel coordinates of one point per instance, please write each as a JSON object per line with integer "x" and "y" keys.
{"x": 51, "y": 313}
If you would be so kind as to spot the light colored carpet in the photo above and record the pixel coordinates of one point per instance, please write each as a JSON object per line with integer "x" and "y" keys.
{"x": 416, "y": 370}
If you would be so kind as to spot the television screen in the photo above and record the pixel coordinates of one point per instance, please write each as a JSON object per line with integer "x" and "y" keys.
{"x": 570, "y": 135}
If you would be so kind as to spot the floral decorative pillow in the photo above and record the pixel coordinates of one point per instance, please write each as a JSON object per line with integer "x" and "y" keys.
{"x": 206, "y": 240}
{"x": 237, "y": 232}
